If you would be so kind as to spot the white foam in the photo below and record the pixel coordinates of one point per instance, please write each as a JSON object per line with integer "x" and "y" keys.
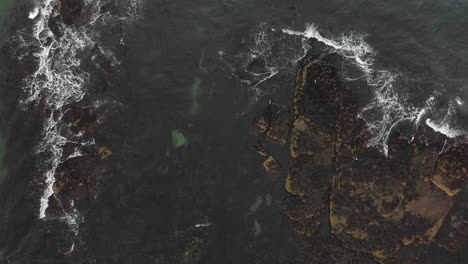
{"x": 72, "y": 248}
{"x": 59, "y": 80}
{"x": 203, "y": 225}
{"x": 447, "y": 124}
{"x": 261, "y": 48}
{"x": 351, "y": 46}
{"x": 389, "y": 104}
{"x": 387, "y": 107}
{"x": 421, "y": 113}
{"x": 33, "y": 13}
{"x": 265, "y": 43}
{"x": 445, "y": 128}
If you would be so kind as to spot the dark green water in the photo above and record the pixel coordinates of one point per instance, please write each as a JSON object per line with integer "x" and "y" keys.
{"x": 5, "y": 7}
{"x": 182, "y": 138}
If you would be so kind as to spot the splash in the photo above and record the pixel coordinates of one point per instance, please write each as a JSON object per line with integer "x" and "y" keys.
{"x": 265, "y": 54}
{"x": 56, "y": 82}
{"x": 60, "y": 80}
{"x": 33, "y": 13}
{"x": 447, "y": 125}
{"x": 350, "y": 46}
{"x": 388, "y": 107}
{"x": 270, "y": 51}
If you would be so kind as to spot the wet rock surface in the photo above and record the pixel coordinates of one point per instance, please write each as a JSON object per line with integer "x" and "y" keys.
{"x": 351, "y": 203}
{"x": 70, "y": 10}
{"x": 78, "y": 177}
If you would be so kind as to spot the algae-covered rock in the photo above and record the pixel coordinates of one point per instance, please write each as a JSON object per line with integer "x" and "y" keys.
{"x": 378, "y": 208}
{"x": 77, "y": 178}
{"x": 273, "y": 124}
{"x": 452, "y": 167}
{"x": 271, "y": 165}
{"x": 104, "y": 152}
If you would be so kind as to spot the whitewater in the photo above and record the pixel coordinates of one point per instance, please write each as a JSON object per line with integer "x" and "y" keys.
{"x": 389, "y": 104}
{"x": 59, "y": 80}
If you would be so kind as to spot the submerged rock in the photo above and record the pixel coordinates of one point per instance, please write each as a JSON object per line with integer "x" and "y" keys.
{"x": 70, "y": 10}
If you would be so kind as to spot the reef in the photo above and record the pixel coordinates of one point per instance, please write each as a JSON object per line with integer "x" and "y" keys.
{"x": 86, "y": 162}
{"x": 352, "y": 203}
{"x": 78, "y": 175}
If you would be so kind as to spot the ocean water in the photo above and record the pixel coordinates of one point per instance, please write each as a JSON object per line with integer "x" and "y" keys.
{"x": 5, "y": 7}
{"x": 4, "y": 34}
{"x": 185, "y": 82}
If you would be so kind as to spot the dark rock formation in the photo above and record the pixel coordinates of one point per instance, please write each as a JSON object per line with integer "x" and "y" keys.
{"x": 351, "y": 203}
{"x": 274, "y": 123}
{"x": 452, "y": 167}
{"x": 77, "y": 176}
{"x": 82, "y": 118}
{"x": 70, "y": 10}
{"x": 75, "y": 179}
{"x": 67, "y": 13}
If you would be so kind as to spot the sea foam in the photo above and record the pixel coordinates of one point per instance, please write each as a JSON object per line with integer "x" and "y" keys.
{"x": 59, "y": 80}
{"x": 389, "y": 104}
{"x": 447, "y": 124}
{"x": 272, "y": 53}
{"x": 388, "y": 107}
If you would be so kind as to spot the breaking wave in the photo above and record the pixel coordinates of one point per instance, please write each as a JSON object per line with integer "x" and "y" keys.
{"x": 60, "y": 80}
{"x": 446, "y": 124}
{"x": 389, "y": 104}
{"x": 266, "y": 53}
{"x": 388, "y": 107}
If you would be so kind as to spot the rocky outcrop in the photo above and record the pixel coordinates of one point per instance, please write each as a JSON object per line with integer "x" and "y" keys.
{"x": 76, "y": 178}
{"x": 452, "y": 167}
{"x": 274, "y": 123}
{"x": 374, "y": 205}
{"x": 84, "y": 166}
{"x": 70, "y": 10}
{"x": 67, "y": 13}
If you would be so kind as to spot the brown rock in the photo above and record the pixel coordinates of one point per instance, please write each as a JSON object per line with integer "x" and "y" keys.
{"x": 452, "y": 167}
{"x": 375, "y": 205}
{"x": 271, "y": 165}
{"x": 104, "y": 152}
{"x": 273, "y": 124}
